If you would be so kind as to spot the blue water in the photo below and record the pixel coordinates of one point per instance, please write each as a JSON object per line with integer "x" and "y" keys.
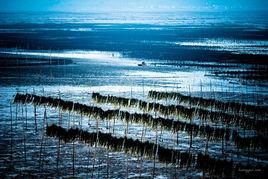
{"x": 142, "y": 35}
{"x": 157, "y": 38}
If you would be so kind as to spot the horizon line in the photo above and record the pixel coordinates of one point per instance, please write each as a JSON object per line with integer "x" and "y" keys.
{"x": 128, "y": 11}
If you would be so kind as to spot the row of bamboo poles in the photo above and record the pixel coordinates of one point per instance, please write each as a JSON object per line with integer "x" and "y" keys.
{"x": 206, "y": 102}
{"x": 205, "y": 163}
{"x": 186, "y": 112}
{"x": 210, "y": 133}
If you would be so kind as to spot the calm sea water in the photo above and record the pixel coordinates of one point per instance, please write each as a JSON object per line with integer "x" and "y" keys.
{"x": 124, "y": 40}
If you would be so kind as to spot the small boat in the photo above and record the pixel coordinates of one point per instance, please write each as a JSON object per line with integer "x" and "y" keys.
{"x": 142, "y": 64}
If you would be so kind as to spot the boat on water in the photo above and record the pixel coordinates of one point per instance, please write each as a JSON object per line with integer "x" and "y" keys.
{"x": 142, "y": 64}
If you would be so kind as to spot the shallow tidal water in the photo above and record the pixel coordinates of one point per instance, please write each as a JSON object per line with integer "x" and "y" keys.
{"x": 182, "y": 54}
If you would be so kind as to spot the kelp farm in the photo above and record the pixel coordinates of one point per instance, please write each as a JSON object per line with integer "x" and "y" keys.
{"x": 146, "y": 90}
{"x": 199, "y": 120}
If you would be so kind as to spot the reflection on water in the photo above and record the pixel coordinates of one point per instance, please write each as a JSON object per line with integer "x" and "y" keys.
{"x": 194, "y": 19}
{"x": 235, "y": 46}
{"x": 110, "y": 58}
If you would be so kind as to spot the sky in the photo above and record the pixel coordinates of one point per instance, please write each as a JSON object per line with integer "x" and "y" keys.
{"x": 132, "y": 5}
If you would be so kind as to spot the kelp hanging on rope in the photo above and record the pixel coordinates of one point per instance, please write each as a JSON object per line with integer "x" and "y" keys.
{"x": 126, "y": 102}
{"x": 128, "y": 145}
{"x": 185, "y": 112}
{"x": 206, "y": 102}
{"x": 216, "y": 167}
{"x": 211, "y": 133}
{"x": 143, "y": 105}
{"x": 234, "y": 120}
{"x": 66, "y": 105}
{"x": 206, "y": 163}
{"x": 257, "y": 141}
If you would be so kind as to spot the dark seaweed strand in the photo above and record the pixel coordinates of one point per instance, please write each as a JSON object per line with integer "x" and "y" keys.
{"x": 207, "y": 131}
{"x": 209, "y": 102}
{"x": 185, "y": 112}
{"x": 247, "y": 142}
{"x": 211, "y": 165}
{"x": 212, "y": 133}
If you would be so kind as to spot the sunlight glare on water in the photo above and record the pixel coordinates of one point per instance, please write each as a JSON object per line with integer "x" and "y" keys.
{"x": 110, "y": 58}
{"x": 234, "y": 46}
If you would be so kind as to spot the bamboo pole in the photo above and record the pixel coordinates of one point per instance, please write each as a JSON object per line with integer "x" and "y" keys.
{"x": 191, "y": 132}
{"x": 35, "y": 115}
{"x": 96, "y": 144}
{"x": 126, "y": 156}
{"x": 26, "y": 116}
{"x": 59, "y": 144}
{"x": 222, "y": 141}
{"x": 24, "y": 132}
{"x": 156, "y": 145}
{"x": 42, "y": 139}
{"x": 41, "y": 145}
{"x": 16, "y": 114}
{"x": 140, "y": 158}
{"x": 73, "y": 157}
{"x": 11, "y": 135}
{"x": 73, "y": 154}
